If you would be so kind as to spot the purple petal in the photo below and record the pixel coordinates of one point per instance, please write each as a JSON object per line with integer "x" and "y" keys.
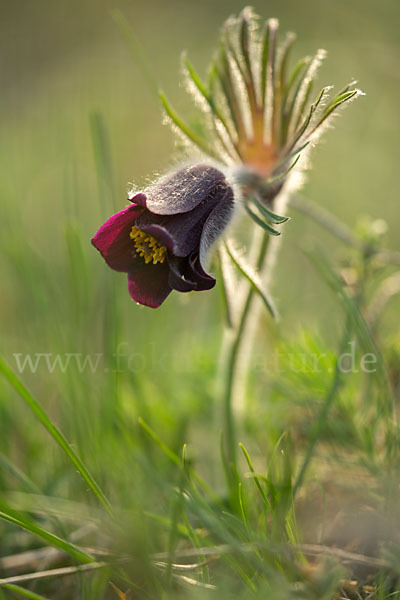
{"x": 187, "y": 275}
{"x": 196, "y": 272}
{"x": 138, "y": 198}
{"x": 176, "y": 278}
{"x": 181, "y": 233}
{"x": 148, "y": 283}
{"x": 216, "y": 223}
{"x": 113, "y": 241}
{"x": 182, "y": 191}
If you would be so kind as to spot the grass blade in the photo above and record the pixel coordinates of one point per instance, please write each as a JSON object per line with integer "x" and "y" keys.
{"x": 53, "y": 540}
{"x": 102, "y": 156}
{"x": 55, "y": 434}
{"x": 255, "y": 478}
{"x": 137, "y": 50}
{"x": 7, "y": 465}
{"x": 173, "y": 457}
{"x": 20, "y": 591}
{"x": 167, "y": 451}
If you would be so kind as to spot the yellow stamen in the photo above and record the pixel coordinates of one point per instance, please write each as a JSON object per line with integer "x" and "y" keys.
{"x": 147, "y": 246}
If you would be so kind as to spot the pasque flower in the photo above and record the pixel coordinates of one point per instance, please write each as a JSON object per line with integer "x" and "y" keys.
{"x": 161, "y": 239}
{"x": 258, "y": 118}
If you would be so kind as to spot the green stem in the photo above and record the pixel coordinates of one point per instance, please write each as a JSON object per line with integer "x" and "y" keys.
{"x": 232, "y": 355}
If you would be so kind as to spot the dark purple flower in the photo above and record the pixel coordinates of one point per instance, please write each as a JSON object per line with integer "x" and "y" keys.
{"x": 162, "y": 238}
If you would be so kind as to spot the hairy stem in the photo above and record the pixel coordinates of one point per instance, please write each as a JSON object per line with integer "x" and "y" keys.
{"x": 232, "y": 348}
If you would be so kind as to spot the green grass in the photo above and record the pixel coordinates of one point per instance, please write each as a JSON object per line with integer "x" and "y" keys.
{"x": 119, "y": 473}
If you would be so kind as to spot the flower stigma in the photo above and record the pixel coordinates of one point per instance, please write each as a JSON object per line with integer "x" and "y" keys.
{"x": 147, "y": 246}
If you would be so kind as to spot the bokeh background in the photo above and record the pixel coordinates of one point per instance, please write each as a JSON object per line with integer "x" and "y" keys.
{"x": 78, "y": 122}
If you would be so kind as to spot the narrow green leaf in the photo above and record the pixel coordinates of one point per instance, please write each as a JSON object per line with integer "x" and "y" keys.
{"x": 287, "y": 157}
{"x": 296, "y": 72}
{"x": 303, "y": 90}
{"x": 6, "y": 464}
{"x": 20, "y": 591}
{"x": 50, "y": 538}
{"x": 304, "y": 102}
{"x": 224, "y": 282}
{"x": 173, "y": 457}
{"x": 262, "y": 223}
{"x": 255, "y": 478}
{"x": 268, "y": 214}
{"x": 167, "y": 451}
{"x": 231, "y": 475}
{"x": 282, "y": 176}
{"x": 281, "y": 88}
{"x": 166, "y": 523}
{"x": 287, "y": 46}
{"x": 243, "y": 60}
{"x": 339, "y": 99}
{"x": 55, "y": 433}
{"x": 264, "y": 62}
{"x": 229, "y": 90}
{"x": 216, "y": 113}
{"x": 252, "y": 278}
{"x": 307, "y": 121}
{"x": 193, "y": 137}
{"x": 212, "y": 77}
{"x": 268, "y": 58}
{"x": 242, "y": 503}
{"x": 245, "y": 79}
{"x": 300, "y": 88}
{"x": 273, "y": 85}
{"x": 244, "y": 38}
{"x": 289, "y": 98}
{"x": 197, "y": 81}
{"x": 336, "y": 103}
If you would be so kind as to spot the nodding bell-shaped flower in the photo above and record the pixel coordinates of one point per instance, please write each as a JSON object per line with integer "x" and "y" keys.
{"x": 161, "y": 239}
